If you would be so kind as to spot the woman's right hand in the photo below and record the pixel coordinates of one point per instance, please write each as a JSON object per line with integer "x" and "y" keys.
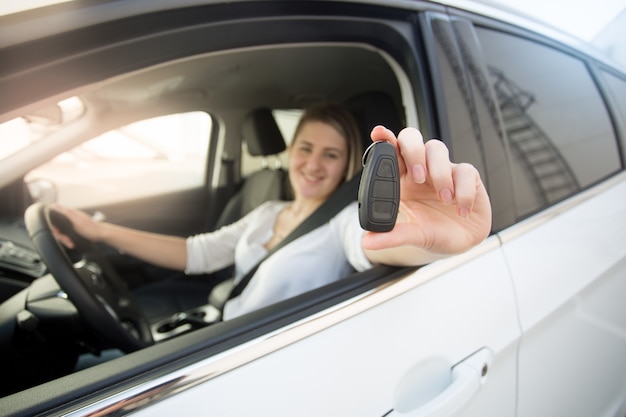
{"x": 165, "y": 251}
{"x": 83, "y": 225}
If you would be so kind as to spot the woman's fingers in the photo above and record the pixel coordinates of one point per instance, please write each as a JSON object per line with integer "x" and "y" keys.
{"x": 439, "y": 170}
{"x": 82, "y": 223}
{"x": 413, "y": 153}
{"x": 429, "y": 163}
{"x": 64, "y": 239}
{"x": 465, "y": 178}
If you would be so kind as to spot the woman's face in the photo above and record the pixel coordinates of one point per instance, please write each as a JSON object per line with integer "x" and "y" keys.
{"x": 318, "y": 160}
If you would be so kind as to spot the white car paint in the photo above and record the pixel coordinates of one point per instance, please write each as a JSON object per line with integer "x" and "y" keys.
{"x": 570, "y": 280}
{"x": 354, "y": 360}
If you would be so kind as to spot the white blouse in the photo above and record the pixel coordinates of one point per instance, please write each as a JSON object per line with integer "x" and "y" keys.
{"x": 322, "y": 256}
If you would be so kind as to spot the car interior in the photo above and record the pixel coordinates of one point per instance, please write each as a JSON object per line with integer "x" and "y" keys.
{"x": 241, "y": 90}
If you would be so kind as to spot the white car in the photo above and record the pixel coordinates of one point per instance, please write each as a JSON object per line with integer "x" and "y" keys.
{"x": 171, "y": 117}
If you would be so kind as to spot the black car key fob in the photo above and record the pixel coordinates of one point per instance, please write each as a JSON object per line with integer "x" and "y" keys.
{"x": 379, "y": 189}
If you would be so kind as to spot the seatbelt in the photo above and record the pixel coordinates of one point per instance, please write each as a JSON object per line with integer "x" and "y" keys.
{"x": 344, "y": 195}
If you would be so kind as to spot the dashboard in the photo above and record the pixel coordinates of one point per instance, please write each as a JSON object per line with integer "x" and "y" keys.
{"x": 20, "y": 264}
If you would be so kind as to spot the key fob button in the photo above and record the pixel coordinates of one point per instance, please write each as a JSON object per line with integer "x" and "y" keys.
{"x": 385, "y": 168}
{"x": 383, "y": 210}
{"x": 383, "y": 189}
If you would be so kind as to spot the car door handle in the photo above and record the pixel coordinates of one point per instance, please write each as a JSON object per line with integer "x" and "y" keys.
{"x": 434, "y": 389}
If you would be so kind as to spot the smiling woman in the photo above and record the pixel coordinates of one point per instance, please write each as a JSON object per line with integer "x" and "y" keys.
{"x": 584, "y": 21}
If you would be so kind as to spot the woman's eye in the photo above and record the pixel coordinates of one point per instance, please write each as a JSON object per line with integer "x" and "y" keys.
{"x": 305, "y": 149}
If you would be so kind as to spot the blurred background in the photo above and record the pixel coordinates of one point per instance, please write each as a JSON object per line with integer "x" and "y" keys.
{"x": 601, "y": 23}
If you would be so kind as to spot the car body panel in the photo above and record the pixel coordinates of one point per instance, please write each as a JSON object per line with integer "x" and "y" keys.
{"x": 355, "y": 349}
{"x": 569, "y": 274}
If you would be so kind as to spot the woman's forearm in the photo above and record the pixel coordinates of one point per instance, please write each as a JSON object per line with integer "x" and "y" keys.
{"x": 161, "y": 250}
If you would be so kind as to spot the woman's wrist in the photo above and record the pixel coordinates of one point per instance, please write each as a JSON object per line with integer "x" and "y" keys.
{"x": 102, "y": 232}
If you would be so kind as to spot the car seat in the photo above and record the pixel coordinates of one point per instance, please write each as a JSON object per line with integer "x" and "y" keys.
{"x": 374, "y": 108}
{"x": 263, "y": 138}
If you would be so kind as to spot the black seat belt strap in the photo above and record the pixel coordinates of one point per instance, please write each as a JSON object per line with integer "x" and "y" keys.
{"x": 344, "y": 195}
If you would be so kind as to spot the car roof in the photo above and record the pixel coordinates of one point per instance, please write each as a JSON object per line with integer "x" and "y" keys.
{"x": 63, "y": 15}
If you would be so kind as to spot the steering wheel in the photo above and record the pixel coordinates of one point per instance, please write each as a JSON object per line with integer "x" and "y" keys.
{"x": 92, "y": 284}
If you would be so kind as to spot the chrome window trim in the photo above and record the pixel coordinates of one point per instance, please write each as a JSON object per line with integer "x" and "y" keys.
{"x": 523, "y": 227}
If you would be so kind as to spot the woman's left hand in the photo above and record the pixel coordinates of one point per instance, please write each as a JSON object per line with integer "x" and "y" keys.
{"x": 444, "y": 207}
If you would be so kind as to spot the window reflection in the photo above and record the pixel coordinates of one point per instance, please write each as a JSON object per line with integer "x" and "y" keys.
{"x": 476, "y": 138}
{"x": 557, "y": 126}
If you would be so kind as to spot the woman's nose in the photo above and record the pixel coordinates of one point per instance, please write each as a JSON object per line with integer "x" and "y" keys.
{"x": 314, "y": 161}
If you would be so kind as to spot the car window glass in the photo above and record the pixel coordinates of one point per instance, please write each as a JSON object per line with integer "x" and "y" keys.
{"x": 557, "y": 125}
{"x": 146, "y": 158}
{"x": 16, "y": 134}
{"x": 474, "y": 137}
{"x": 287, "y": 121}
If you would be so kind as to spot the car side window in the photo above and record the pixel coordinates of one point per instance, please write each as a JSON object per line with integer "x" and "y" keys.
{"x": 168, "y": 154}
{"x": 559, "y": 132}
{"x": 474, "y": 136}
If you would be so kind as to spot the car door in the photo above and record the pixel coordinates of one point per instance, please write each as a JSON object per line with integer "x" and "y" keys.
{"x": 440, "y": 340}
{"x": 568, "y": 258}
{"x": 571, "y": 288}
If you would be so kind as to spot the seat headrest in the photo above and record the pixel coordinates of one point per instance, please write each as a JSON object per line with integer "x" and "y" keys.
{"x": 374, "y": 108}
{"x": 262, "y": 134}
